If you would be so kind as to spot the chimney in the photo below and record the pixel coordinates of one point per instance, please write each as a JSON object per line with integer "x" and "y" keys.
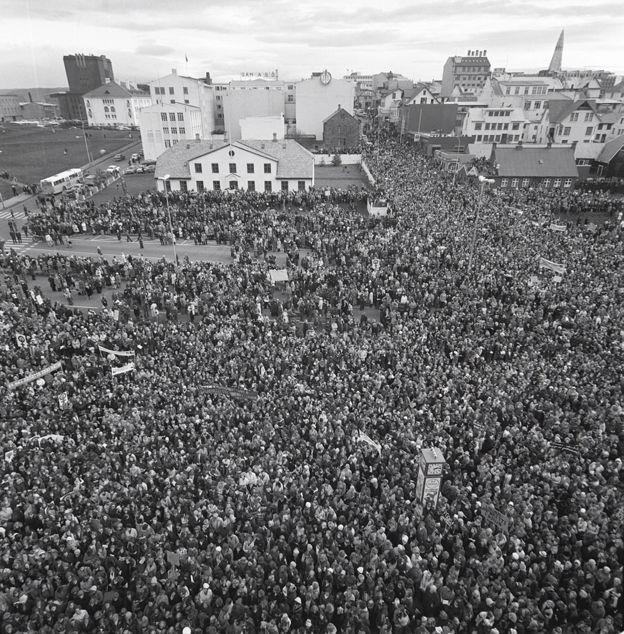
{"x": 208, "y": 79}
{"x": 197, "y": 137}
{"x": 174, "y": 71}
{"x": 468, "y": 53}
{"x": 274, "y": 137}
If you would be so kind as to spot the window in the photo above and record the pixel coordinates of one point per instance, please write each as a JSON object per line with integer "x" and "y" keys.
{"x": 185, "y": 90}
{"x": 182, "y": 130}
{"x": 200, "y": 186}
{"x": 183, "y": 186}
{"x": 165, "y": 130}
{"x": 267, "y": 169}
{"x": 105, "y": 108}
{"x": 174, "y": 142}
{"x": 180, "y": 116}
{"x": 487, "y": 126}
{"x": 172, "y": 116}
{"x": 514, "y": 182}
{"x": 537, "y": 105}
{"x": 112, "y": 108}
{"x": 174, "y": 130}
{"x": 566, "y": 130}
{"x": 567, "y": 182}
{"x": 301, "y": 186}
{"x": 216, "y": 185}
{"x": 284, "y": 186}
{"x": 479, "y": 137}
{"x": 198, "y": 168}
{"x": 589, "y": 116}
{"x": 525, "y": 182}
{"x": 478, "y": 125}
{"x": 557, "y": 182}
{"x": 163, "y": 116}
{"x": 515, "y": 126}
{"x": 589, "y": 131}
{"x": 267, "y": 186}
{"x": 291, "y": 99}
{"x": 186, "y": 101}
{"x": 546, "y": 183}
{"x": 233, "y": 184}
{"x": 215, "y": 168}
{"x": 167, "y": 143}
{"x": 574, "y": 116}
{"x": 232, "y": 168}
{"x": 171, "y": 91}
{"x": 497, "y": 138}
{"x": 503, "y": 182}
{"x": 250, "y": 168}
{"x": 251, "y": 186}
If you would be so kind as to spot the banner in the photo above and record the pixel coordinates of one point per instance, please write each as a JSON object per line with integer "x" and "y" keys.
{"x": 555, "y": 227}
{"x": 553, "y": 266}
{"x": 368, "y": 440}
{"x": 491, "y": 515}
{"x": 37, "y": 375}
{"x": 63, "y": 400}
{"x": 124, "y": 368}
{"x": 564, "y": 447}
{"x": 20, "y": 339}
{"x": 278, "y": 275}
{"x": 118, "y": 353}
{"x": 245, "y": 395}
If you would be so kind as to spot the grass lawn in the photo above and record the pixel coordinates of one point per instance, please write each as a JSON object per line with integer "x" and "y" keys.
{"x": 30, "y": 153}
{"x": 340, "y": 177}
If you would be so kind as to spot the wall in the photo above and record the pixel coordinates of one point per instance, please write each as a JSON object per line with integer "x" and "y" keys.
{"x": 346, "y": 159}
{"x": 9, "y": 108}
{"x": 316, "y": 102}
{"x": 152, "y": 127}
{"x": 250, "y": 102}
{"x": 341, "y": 131}
{"x": 262, "y": 128}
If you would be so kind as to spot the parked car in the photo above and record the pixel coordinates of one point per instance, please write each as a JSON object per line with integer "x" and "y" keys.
{"x": 119, "y": 157}
{"x": 112, "y": 169}
{"x": 130, "y": 170}
{"x": 148, "y": 169}
{"x": 140, "y": 169}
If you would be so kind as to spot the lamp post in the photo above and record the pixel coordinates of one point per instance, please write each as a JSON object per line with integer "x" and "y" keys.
{"x": 165, "y": 180}
{"x": 483, "y": 182}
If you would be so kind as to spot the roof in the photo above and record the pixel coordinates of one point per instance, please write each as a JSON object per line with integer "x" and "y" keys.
{"x": 535, "y": 161}
{"x": 431, "y": 117}
{"x": 610, "y": 149}
{"x": 114, "y": 90}
{"x": 335, "y": 112}
{"x": 558, "y": 109}
{"x": 470, "y": 61}
{"x": 294, "y": 161}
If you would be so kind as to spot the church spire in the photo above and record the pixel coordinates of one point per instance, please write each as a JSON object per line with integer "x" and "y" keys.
{"x": 555, "y": 62}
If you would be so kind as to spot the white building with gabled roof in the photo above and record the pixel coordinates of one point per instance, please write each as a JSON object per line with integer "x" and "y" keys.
{"x": 250, "y": 165}
{"x": 115, "y": 104}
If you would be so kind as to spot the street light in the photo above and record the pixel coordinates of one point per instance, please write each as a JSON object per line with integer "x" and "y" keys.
{"x": 165, "y": 180}
{"x": 483, "y": 182}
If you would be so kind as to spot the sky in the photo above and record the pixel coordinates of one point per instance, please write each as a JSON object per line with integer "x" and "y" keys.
{"x": 146, "y": 39}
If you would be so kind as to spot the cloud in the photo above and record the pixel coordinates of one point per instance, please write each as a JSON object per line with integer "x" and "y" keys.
{"x": 154, "y": 50}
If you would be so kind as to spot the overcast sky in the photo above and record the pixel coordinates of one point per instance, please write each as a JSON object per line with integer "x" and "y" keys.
{"x": 145, "y": 39}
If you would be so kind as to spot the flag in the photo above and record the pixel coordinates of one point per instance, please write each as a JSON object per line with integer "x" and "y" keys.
{"x": 553, "y": 266}
{"x": 368, "y": 440}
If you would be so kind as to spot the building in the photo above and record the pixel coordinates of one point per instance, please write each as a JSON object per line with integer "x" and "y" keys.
{"x": 87, "y": 72}
{"x": 9, "y": 108}
{"x": 165, "y": 125}
{"x": 570, "y": 121}
{"x": 341, "y": 130}
{"x": 495, "y": 125}
{"x": 251, "y": 99}
{"x": 319, "y": 97}
{"x": 537, "y": 166}
{"x": 469, "y": 73}
{"x": 251, "y": 165}
{"x": 115, "y": 105}
{"x": 84, "y": 73}
{"x": 33, "y": 110}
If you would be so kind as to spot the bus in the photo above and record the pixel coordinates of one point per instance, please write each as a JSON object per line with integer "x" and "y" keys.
{"x": 61, "y": 182}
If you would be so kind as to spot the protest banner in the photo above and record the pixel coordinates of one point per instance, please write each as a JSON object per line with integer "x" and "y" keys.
{"x": 63, "y": 400}
{"x": 361, "y": 436}
{"x": 561, "y": 228}
{"x": 553, "y": 266}
{"x": 123, "y": 369}
{"x": 117, "y": 353}
{"x": 491, "y": 515}
{"x": 278, "y": 275}
{"x": 20, "y": 340}
{"x": 234, "y": 392}
{"x": 36, "y": 375}
{"x": 563, "y": 447}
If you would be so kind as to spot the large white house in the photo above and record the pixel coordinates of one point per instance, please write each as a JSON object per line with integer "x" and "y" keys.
{"x": 251, "y": 165}
{"x": 115, "y": 104}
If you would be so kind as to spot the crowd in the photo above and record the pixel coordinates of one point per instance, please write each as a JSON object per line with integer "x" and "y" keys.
{"x": 219, "y": 484}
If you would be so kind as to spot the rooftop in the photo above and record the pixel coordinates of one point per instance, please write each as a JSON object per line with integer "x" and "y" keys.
{"x": 535, "y": 161}
{"x": 115, "y": 91}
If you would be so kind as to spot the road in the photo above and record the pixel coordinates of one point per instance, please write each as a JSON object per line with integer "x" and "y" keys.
{"x": 87, "y": 245}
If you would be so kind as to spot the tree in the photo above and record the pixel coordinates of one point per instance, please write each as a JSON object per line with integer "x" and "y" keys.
{"x": 336, "y": 160}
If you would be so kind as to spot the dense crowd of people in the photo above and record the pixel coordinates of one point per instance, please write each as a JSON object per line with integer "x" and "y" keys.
{"x": 220, "y": 483}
